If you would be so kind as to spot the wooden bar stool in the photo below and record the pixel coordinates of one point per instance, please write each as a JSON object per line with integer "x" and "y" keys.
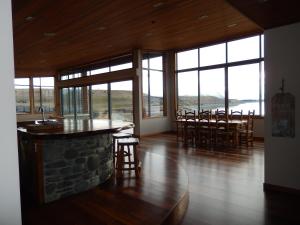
{"x": 116, "y": 137}
{"x": 130, "y": 153}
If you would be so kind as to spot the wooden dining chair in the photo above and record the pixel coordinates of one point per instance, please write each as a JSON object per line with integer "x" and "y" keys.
{"x": 204, "y": 128}
{"x": 246, "y": 133}
{"x": 179, "y": 125}
{"x": 190, "y": 128}
{"x": 224, "y": 136}
{"x": 236, "y": 115}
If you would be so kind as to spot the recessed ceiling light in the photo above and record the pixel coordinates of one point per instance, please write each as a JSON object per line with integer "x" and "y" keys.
{"x": 202, "y": 17}
{"x": 29, "y": 18}
{"x": 101, "y": 28}
{"x": 232, "y": 25}
{"x": 49, "y": 34}
{"x": 148, "y": 34}
{"x": 158, "y": 4}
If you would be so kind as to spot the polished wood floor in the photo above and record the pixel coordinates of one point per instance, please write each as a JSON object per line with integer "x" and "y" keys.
{"x": 224, "y": 187}
{"x": 159, "y": 196}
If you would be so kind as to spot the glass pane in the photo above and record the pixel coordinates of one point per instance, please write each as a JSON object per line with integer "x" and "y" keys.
{"x": 99, "y": 71}
{"x": 48, "y": 99}
{"x": 64, "y": 77}
{"x": 243, "y": 88}
{"x": 47, "y": 81}
{"x": 121, "y": 66}
{"x": 43, "y": 87}
{"x": 145, "y": 94}
{"x": 156, "y": 63}
{"x": 243, "y": 49}
{"x": 188, "y": 90}
{"x": 22, "y": 98}
{"x": 82, "y": 102}
{"x": 212, "y": 89}
{"x": 121, "y": 101}
{"x": 187, "y": 59}
{"x": 36, "y": 81}
{"x": 67, "y": 102}
{"x": 145, "y": 63}
{"x": 262, "y": 46}
{"x": 76, "y": 75}
{"x": 37, "y": 98}
{"x": 22, "y": 81}
{"x": 156, "y": 93}
{"x": 213, "y": 55}
{"x": 100, "y": 101}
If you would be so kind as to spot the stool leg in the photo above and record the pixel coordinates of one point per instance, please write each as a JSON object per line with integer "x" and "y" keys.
{"x": 120, "y": 160}
{"x": 136, "y": 162}
{"x": 128, "y": 156}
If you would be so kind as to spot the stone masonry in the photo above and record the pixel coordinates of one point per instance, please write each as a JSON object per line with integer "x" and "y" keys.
{"x": 73, "y": 165}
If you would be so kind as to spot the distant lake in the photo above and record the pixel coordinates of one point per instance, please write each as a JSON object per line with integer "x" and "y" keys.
{"x": 245, "y": 106}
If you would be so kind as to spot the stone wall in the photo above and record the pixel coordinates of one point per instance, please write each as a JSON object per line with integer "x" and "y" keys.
{"x": 76, "y": 164}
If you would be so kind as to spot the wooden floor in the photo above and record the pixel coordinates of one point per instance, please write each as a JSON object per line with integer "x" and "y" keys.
{"x": 224, "y": 186}
{"x": 159, "y": 196}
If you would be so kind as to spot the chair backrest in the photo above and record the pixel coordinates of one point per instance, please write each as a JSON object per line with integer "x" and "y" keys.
{"x": 190, "y": 115}
{"x": 179, "y": 115}
{"x": 222, "y": 119}
{"x": 250, "y": 120}
{"x": 204, "y": 117}
{"x": 236, "y": 115}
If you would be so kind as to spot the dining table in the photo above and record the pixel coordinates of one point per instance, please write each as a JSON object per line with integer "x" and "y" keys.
{"x": 234, "y": 124}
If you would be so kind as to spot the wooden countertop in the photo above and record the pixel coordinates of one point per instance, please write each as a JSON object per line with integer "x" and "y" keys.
{"x": 80, "y": 127}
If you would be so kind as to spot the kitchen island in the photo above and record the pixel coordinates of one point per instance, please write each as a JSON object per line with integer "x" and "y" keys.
{"x": 62, "y": 162}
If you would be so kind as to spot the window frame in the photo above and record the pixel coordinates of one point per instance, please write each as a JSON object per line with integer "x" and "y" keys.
{"x": 226, "y": 65}
{"x": 147, "y": 56}
{"x": 40, "y": 87}
{"x": 31, "y": 94}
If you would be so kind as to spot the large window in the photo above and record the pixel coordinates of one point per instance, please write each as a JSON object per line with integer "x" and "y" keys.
{"x": 121, "y": 101}
{"x": 22, "y": 95}
{"x": 102, "y": 101}
{"x": 109, "y": 65}
{"x": 153, "y": 86}
{"x": 33, "y": 93}
{"x": 43, "y": 93}
{"x": 223, "y": 76}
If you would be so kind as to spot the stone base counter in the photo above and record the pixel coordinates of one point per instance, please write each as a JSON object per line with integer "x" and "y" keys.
{"x": 58, "y": 164}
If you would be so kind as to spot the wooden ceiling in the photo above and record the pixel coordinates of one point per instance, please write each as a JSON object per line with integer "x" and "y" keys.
{"x": 269, "y": 13}
{"x": 50, "y": 35}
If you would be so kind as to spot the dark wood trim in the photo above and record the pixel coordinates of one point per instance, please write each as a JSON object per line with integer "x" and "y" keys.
{"x": 282, "y": 189}
{"x": 57, "y": 96}
{"x": 120, "y": 75}
{"x": 259, "y": 139}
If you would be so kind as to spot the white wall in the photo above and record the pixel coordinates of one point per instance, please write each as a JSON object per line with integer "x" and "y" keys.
{"x": 10, "y": 211}
{"x": 259, "y": 127}
{"x": 158, "y": 125}
{"x": 282, "y": 55}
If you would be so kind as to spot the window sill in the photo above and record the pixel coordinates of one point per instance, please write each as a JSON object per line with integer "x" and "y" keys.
{"x": 153, "y": 117}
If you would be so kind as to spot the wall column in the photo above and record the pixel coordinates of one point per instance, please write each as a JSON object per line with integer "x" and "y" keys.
{"x": 10, "y": 209}
{"x": 137, "y": 91}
